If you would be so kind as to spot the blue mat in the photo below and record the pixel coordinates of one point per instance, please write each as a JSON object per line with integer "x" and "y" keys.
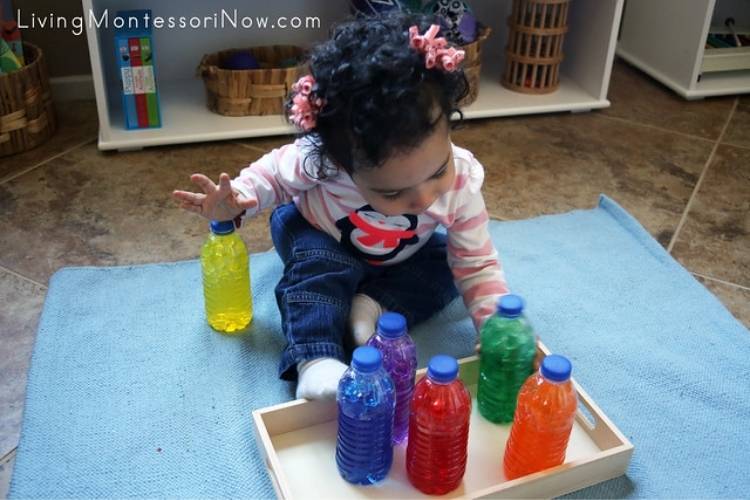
{"x": 131, "y": 394}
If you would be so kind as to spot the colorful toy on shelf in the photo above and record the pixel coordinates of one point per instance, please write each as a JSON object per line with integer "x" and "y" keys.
{"x": 378, "y": 7}
{"x": 12, "y": 36}
{"x": 135, "y": 56}
{"x": 8, "y": 60}
{"x": 458, "y": 17}
{"x": 240, "y": 60}
{"x": 10, "y": 33}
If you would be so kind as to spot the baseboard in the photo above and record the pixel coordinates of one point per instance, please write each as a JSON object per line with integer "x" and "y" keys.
{"x": 72, "y": 88}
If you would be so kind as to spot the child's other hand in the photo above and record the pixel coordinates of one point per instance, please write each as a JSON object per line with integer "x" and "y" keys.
{"x": 537, "y": 358}
{"x": 217, "y": 202}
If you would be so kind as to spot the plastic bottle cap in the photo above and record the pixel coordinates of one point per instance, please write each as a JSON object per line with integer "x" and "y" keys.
{"x": 556, "y": 368}
{"x": 442, "y": 368}
{"x": 510, "y": 306}
{"x": 366, "y": 359}
{"x": 391, "y": 325}
{"x": 222, "y": 227}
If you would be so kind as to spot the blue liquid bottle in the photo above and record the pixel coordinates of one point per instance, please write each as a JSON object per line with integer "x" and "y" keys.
{"x": 400, "y": 361}
{"x": 366, "y": 402}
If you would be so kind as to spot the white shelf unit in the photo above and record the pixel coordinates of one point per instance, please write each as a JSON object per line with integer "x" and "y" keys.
{"x": 589, "y": 52}
{"x": 667, "y": 38}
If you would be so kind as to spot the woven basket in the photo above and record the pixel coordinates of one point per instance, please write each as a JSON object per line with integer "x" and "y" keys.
{"x": 27, "y": 116}
{"x": 252, "y": 91}
{"x": 473, "y": 64}
{"x": 535, "y": 40}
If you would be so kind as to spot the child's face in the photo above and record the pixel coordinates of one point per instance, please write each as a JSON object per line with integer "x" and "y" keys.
{"x": 410, "y": 182}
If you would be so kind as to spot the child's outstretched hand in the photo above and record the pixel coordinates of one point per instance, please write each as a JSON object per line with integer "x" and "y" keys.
{"x": 217, "y": 202}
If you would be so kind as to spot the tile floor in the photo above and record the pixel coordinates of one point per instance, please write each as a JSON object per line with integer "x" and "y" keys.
{"x": 682, "y": 168}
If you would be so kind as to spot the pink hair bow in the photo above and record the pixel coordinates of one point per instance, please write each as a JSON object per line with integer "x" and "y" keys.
{"x": 436, "y": 51}
{"x": 305, "y": 108}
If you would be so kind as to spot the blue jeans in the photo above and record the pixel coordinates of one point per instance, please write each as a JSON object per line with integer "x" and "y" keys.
{"x": 321, "y": 277}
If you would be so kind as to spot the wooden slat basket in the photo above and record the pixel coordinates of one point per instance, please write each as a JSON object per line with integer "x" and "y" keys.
{"x": 252, "y": 91}
{"x": 473, "y": 64}
{"x": 535, "y": 40}
{"x": 27, "y": 115}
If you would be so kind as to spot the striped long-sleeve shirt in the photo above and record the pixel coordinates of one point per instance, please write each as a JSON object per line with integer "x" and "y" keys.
{"x": 335, "y": 205}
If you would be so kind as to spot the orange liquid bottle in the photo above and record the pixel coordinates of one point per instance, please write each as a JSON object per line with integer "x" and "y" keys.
{"x": 543, "y": 420}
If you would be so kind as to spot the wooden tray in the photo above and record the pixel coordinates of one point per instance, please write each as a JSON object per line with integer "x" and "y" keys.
{"x": 298, "y": 441}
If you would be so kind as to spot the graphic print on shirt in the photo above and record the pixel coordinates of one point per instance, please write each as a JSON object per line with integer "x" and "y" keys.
{"x": 376, "y": 237}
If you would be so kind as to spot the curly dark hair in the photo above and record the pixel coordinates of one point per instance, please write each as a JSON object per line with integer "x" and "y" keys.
{"x": 380, "y": 100}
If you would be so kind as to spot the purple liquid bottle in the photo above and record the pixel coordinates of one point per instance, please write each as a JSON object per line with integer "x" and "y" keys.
{"x": 400, "y": 361}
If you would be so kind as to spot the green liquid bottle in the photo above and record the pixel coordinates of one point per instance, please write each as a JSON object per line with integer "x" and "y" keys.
{"x": 506, "y": 360}
{"x": 226, "y": 279}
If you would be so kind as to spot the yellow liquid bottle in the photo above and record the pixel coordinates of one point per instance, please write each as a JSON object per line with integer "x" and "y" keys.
{"x": 226, "y": 279}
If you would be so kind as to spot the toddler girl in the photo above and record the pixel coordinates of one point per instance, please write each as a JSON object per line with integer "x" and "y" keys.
{"x": 359, "y": 195}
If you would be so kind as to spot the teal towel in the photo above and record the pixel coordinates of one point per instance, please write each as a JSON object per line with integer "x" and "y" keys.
{"x": 131, "y": 394}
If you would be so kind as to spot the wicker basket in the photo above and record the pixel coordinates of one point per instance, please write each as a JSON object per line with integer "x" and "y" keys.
{"x": 536, "y": 32}
{"x": 27, "y": 116}
{"x": 253, "y": 91}
{"x": 473, "y": 64}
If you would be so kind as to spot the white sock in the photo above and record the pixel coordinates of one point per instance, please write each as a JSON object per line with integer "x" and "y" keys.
{"x": 319, "y": 378}
{"x": 363, "y": 318}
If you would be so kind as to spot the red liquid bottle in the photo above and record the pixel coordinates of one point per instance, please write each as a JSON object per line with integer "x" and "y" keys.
{"x": 438, "y": 429}
{"x": 543, "y": 420}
